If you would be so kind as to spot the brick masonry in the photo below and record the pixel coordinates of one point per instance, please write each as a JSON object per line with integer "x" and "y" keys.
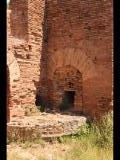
{"x": 57, "y": 46}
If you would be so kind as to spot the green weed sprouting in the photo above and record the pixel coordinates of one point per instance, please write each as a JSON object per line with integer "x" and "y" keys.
{"x": 104, "y": 131}
{"x": 100, "y": 133}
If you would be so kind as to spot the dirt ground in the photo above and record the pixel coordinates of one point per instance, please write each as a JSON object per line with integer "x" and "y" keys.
{"x": 45, "y": 151}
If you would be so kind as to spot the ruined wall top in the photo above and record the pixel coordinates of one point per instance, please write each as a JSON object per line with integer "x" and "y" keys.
{"x": 26, "y": 18}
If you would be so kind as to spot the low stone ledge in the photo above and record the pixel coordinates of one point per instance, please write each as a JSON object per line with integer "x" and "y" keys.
{"x": 44, "y": 126}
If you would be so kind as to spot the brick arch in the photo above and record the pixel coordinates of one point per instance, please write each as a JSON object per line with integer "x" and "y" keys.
{"x": 73, "y": 57}
{"x": 68, "y": 77}
{"x": 67, "y": 80}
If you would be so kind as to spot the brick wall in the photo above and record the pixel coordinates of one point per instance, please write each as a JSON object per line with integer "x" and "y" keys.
{"x": 19, "y": 18}
{"x": 80, "y": 35}
{"x": 53, "y": 34}
{"x": 26, "y": 49}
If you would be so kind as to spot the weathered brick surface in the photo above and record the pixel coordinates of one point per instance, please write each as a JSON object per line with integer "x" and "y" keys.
{"x": 45, "y": 37}
{"x": 13, "y": 77}
{"x": 25, "y": 44}
{"x": 66, "y": 79}
{"x": 80, "y": 35}
{"x": 19, "y": 18}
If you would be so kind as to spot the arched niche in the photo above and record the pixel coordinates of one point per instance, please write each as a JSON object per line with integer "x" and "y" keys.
{"x": 67, "y": 88}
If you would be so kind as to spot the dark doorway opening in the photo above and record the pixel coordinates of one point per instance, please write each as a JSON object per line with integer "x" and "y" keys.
{"x": 67, "y": 100}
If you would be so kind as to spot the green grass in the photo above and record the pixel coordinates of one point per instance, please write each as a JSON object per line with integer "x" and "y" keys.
{"x": 93, "y": 141}
{"x": 86, "y": 148}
